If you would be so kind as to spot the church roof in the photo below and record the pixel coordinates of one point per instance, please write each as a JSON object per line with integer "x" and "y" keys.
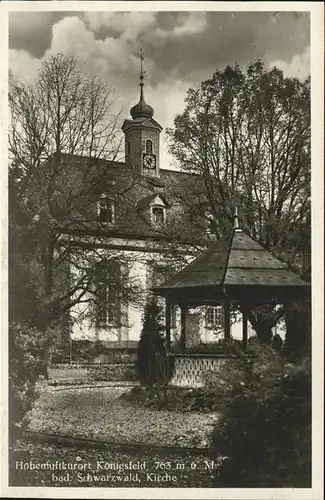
{"x": 233, "y": 262}
{"x": 131, "y": 221}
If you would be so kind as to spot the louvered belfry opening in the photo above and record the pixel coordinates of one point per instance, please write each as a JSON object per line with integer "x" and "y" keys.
{"x": 234, "y": 270}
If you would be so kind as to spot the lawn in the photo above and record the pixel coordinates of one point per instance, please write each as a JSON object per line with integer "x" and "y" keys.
{"x": 100, "y": 413}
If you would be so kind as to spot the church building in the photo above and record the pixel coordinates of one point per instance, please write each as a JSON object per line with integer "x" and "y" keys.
{"x": 138, "y": 219}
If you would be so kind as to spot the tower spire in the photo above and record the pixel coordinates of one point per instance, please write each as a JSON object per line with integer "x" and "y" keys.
{"x": 142, "y": 109}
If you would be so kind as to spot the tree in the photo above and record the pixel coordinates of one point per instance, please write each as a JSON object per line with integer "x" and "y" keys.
{"x": 152, "y": 359}
{"x": 61, "y": 125}
{"x": 247, "y": 138}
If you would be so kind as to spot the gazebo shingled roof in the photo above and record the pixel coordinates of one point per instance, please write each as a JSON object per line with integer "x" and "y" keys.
{"x": 238, "y": 267}
{"x": 236, "y": 272}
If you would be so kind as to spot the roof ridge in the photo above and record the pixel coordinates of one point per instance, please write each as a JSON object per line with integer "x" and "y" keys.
{"x": 228, "y": 255}
{"x": 178, "y": 172}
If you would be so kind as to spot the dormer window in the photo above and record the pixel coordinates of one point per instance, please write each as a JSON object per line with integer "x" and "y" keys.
{"x": 154, "y": 208}
{"x": 158, "y": 215}
{"x": 149, "y": 146}
{"x": 106, "y": 210}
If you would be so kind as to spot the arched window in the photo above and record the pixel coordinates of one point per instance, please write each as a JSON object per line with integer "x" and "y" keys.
{"x": 149, "y": 146}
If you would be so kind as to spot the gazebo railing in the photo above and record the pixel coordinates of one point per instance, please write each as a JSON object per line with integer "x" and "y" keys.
{"x": 189, "y": 369}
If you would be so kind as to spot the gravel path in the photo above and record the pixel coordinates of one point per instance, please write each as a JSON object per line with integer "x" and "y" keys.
{"x": 98, "y": 413}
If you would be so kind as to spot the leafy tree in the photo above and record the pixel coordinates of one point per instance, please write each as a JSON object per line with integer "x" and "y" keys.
{"x": 152, "y": 359}
{"x": 246, "y": 136}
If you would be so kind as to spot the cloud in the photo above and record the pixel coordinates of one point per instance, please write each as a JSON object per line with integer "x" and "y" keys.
{"x": 129, "y": 25}
{"x": 32, "y": 31}
{"x": 184, "y": 45}
{"x": 71, "y": 37}
{"x": 194, "y": 23}
{"x": 298, "y": 67}
{"x": 181, "y": 49}
{"x": 23, "y": 65}
{"x": 112, "y": 57}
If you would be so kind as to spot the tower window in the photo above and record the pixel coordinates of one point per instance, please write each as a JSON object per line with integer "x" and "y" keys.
{"x": 129, "y": 147}
{"x": 106, "y": 210}
{"x": 158, "y": 215}
{"x": 149, "y": 146}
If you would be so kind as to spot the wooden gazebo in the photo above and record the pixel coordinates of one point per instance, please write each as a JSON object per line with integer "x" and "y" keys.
{"x": 234, "y": 270}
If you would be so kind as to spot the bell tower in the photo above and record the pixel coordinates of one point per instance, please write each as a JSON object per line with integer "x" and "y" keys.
{"x": 142, "y": 135}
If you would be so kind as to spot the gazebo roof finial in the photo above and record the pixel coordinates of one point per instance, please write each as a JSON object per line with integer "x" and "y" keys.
{"x": 236, "y": 225}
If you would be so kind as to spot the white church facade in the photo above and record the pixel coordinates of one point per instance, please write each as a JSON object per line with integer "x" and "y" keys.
{"x": 139, "y": 229}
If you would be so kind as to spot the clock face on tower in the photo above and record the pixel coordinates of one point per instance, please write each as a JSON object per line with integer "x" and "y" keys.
{"x": 149, "y": 161}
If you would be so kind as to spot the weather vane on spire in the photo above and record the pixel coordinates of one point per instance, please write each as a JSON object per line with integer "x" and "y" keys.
{"x": 141, "y": 59}
{"x": 142, "y": 73}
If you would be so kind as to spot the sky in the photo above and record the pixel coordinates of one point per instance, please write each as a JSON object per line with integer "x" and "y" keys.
{"x": 181, "y": 49}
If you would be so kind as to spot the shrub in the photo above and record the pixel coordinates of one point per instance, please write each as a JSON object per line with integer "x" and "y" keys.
{"x": 221, "y": 346}
{"x": 130, "y": 373}
{"x": 152, "y": 360}
{"x": 264, "y": 430}
{"x": 28, "y": 352}
{"x": 85, "y": 350}
{"x": 113, "y": 372}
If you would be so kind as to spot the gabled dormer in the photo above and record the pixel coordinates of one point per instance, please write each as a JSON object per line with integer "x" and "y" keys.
{"x": 154, "y": 209}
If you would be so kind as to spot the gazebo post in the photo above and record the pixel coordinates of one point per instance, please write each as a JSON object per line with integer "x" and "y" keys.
{"x": 226, "y": 309}
{"x": 245, "y": 337}
{"x": 168, "y": 323}
{"x": 183, "y": 324}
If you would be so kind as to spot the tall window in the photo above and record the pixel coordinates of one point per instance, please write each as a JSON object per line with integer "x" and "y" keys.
{"x": 108, "y": 304}
{"x": 129, "y": 147}
{"x": 214, "y": 317}
{"x": 149, "y": 146}
{"x": 106, "y": 210}
{"x": 158, "y": 215}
